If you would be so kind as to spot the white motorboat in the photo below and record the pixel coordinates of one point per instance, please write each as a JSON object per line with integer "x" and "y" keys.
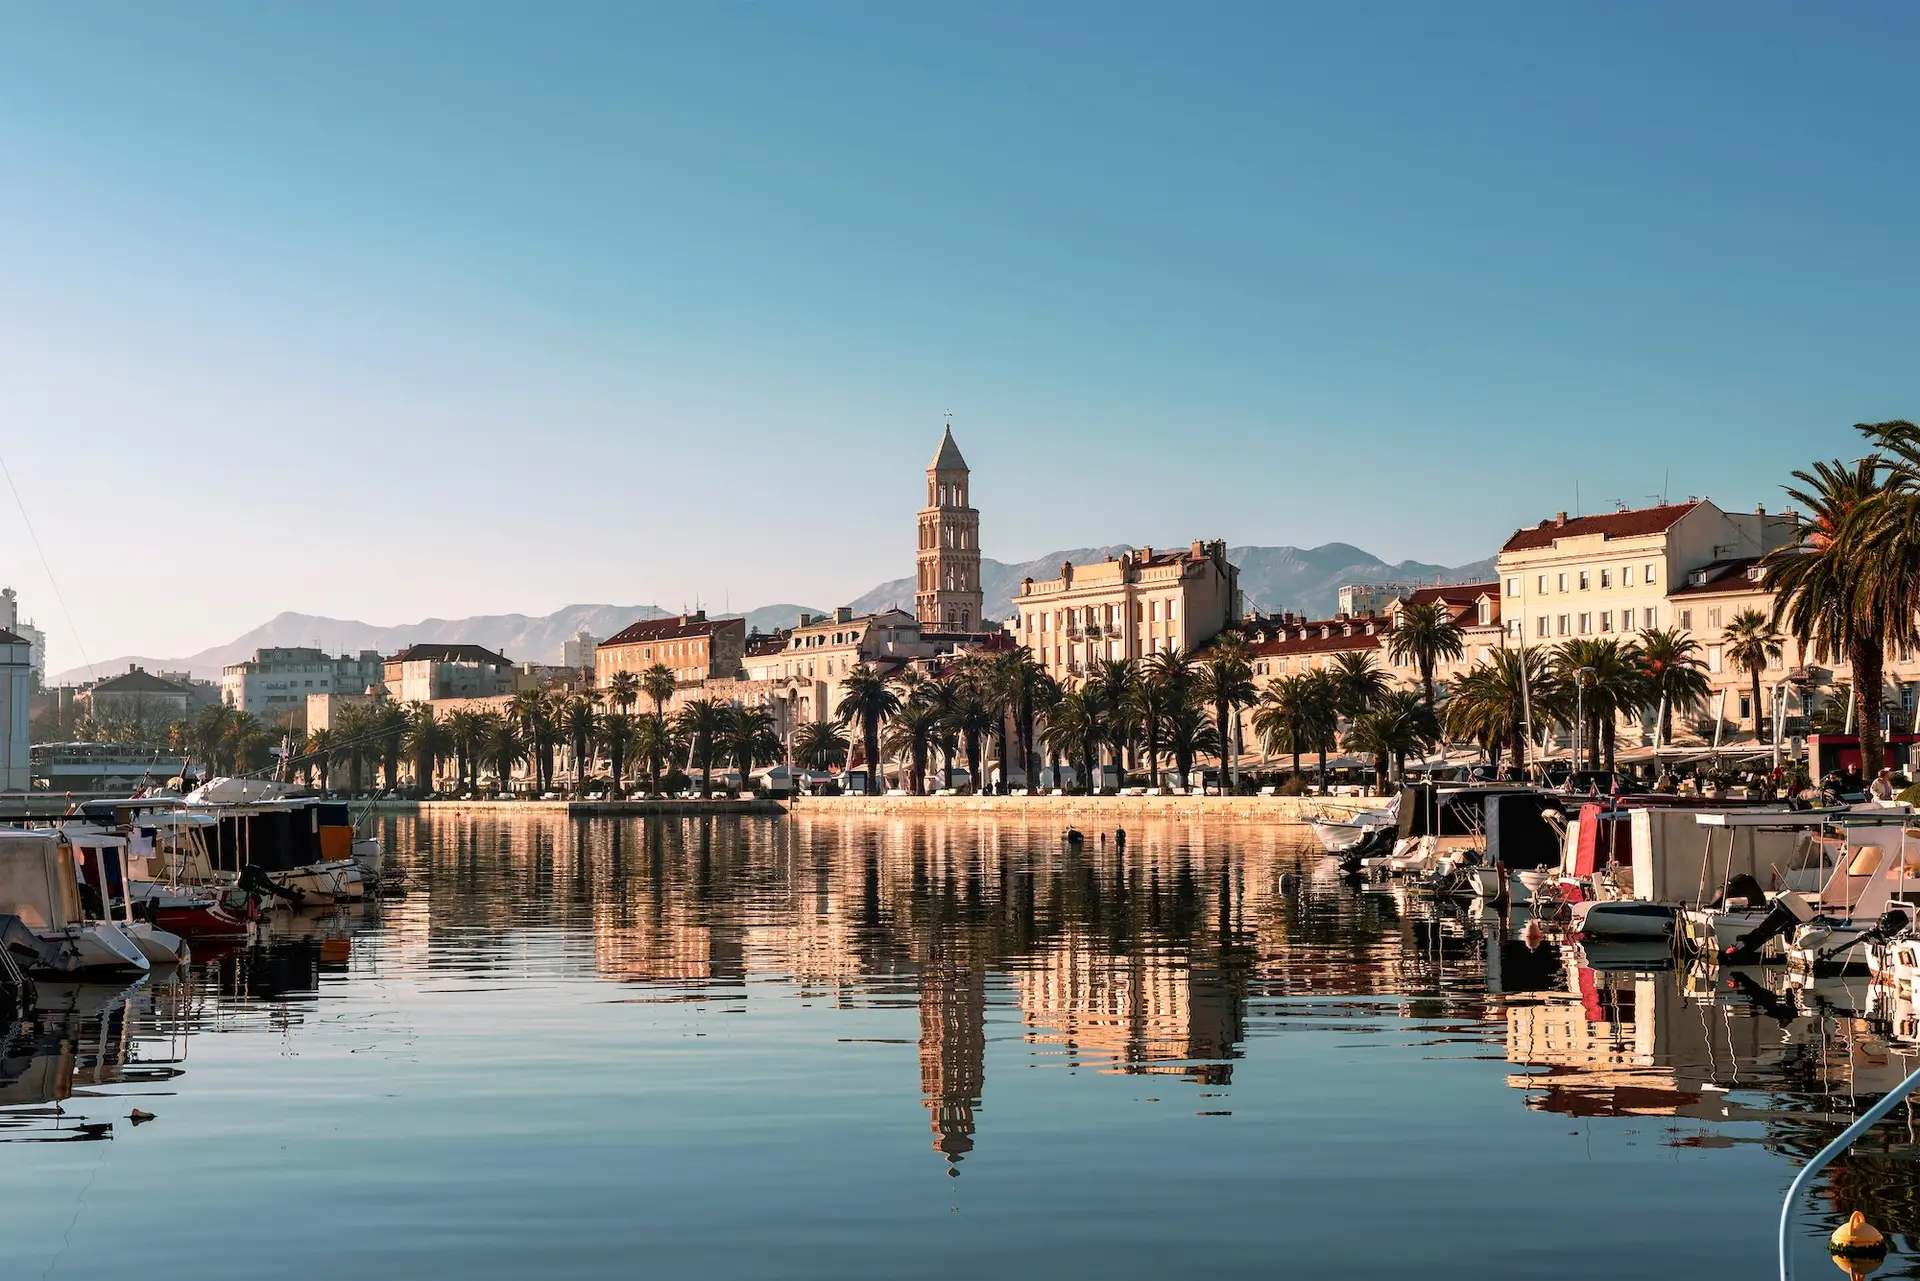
{"x": 101, "y": 863}
{"x": 38, "y": 885}
{"x": 1338, "y": 833}
{"x": 1868, "y": 898}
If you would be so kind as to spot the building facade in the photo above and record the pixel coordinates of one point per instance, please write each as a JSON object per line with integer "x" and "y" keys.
{"x": 277, "y": 681}
{"x": 1596, "y": 576}
{"x": 695, "y": 648}
{"x": 36, "y": 639}
{"x": 16, "y": 694}
{"x": 947, "y": 593}
{"x": 138, "y": 697}
{"x": 426, "y": 672}
{"x": 1139, "y": 603}
{"x": 578, "y": 652}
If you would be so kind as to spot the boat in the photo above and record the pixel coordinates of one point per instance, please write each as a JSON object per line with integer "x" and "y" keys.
{"x": 100, "y": 863}
{"x": 39, "y": 885}
{"x": 1338, "y": 833}
{"x": 155, "y": 841}
{"x": 1867, "y": 899}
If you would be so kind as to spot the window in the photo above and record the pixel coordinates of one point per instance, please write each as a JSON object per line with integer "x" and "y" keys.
{"x": 1540, "y": 628}
{"x": 1778, "y": 661}
{"x": 1713, "y": 618}
{"x": 1173, "y": 610}
{"x": 1746, "y": 706}
{"x": 1606, "y": 620}
{"x": 1713, "y": 658}
{"x": 1606, "y": 578}
{"x": 1648, "y": 576}
{"x": 1540, "y": 584}
{"x": 1563, "y": 623}
{"x": 1513, "y": 629}
{"x": 1513, "y": 587}
{"x": 1563, "y": 582}
{"x": 1586, "y": 624}
{"x": 1586, "y": 581}
{"x": 1686, "y": 620}
{"x": 1649, "y": 624}
{"x": 1626, "y": 575}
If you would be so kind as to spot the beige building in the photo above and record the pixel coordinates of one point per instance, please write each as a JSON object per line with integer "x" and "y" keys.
{"x": 695, "y": 648}
{"x": 1596, "y": 576}
{"x": 1130, "y": 606}
{"x": 138, "y": 697}
{"x": 947, "y": 592}
{"x": 426, "y": 673}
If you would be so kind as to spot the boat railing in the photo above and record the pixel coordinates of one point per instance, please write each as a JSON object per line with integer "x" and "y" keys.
{"x": 1846, "y": 1139}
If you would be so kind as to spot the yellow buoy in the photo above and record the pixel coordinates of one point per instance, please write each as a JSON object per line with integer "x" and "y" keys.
{"x": 1857, "y": 1247}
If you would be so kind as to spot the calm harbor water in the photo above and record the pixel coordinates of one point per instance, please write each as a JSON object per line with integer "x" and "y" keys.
{"x": 809, "y": 1047}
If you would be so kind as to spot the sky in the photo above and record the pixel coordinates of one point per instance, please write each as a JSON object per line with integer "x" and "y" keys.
{"x": 389, "y": 311}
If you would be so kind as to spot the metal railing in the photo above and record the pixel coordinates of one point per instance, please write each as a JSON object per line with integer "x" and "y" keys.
{"x": 1847, "y": 1137}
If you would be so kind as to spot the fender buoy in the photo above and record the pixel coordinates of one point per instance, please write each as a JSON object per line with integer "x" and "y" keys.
{"x": 1533, "y": 936}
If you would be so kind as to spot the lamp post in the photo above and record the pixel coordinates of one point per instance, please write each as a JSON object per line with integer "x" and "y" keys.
{"x": 1580, "y": 679}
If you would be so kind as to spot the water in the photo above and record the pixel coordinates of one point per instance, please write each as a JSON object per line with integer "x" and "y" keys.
{"x": 810, "y": 1047}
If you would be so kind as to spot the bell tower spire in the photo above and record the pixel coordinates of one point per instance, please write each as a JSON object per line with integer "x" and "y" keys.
{"x": 947, "y": 593}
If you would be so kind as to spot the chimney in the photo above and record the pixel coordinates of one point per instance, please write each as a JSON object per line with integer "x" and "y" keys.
{"x": 1199, "y": 550}
{"x": 843, "y": 614}
{"x": 1760, "y": 509}
{"x": 1559, "y": 518}
{"x": 132, "y": 668}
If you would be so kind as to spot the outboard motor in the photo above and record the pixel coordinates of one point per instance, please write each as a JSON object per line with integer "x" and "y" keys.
{"x": 1789, "y": 910}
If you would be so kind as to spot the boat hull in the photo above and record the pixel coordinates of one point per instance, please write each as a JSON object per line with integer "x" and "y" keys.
{"x": 1623, "y": 919}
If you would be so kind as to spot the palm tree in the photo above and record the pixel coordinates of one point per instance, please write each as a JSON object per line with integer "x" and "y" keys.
{"x": 659, "y": 684}
{"x": 1280, "y": 718}
{"x": 1111, "y": 682}
{"x": 819, "y": 745}
{"x": 703, "y": 724}
{"x": 1358, "y": 683}
{"x": 1149, "y": 703}
{"x": 1610, "y": 682}
{"x": 1425, "y": 634}
{"x": 1837, "y": 585}
{"x": 503, "y": 747}
{"x": 750, "y": 742}
{"x": 1499, "y": 700}
{"x": 355, "y": 732}
{"x": 1225, "y": 682}
{"x": 580, "y": 721}
{"x": 391, "y": 722}
{"x": 870, "y": 700}
{"x": 1400, "y": 723}
{"x": 1753, "y": 643}
{"x": 1073, "y": 731}
{"x": 1676, "y": 674}
{"x": 428, "y": 741}
{"x": 1020, "y": 674}
{"x": 320, "y": 752}
{"x": 910, "y": 736}
{"x": 615, "y": 734}
{"x": 624, "y": 690}
{"x": 468, "y": 729}
{"x": 1189, "y": 735}
{"x": 651, "y": 740}
{"x": 1320, "y": 702}
{"x": 1046, "y": 697}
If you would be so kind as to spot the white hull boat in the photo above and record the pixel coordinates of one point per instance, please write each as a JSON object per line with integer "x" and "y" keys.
{"x": 1338, "y": 834}
{"x": 160, "y": 947}
{"x": 1623, "y": 919}
{"x": 97, "y": 947}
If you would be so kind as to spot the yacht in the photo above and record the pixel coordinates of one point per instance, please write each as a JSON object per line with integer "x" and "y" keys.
{"x": 39, "y": 886}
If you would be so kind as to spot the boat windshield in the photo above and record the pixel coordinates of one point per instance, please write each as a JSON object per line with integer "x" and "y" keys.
{"x": 36, "y": 880}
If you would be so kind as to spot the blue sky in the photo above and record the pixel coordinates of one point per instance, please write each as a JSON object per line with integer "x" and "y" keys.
{"x": 388, "y": 311}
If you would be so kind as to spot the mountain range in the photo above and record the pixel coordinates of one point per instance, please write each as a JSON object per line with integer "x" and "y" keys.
{"x": 1305, "y": 580}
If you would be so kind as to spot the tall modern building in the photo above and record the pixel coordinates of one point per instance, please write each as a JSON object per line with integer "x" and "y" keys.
{"x": 947, "y": 594}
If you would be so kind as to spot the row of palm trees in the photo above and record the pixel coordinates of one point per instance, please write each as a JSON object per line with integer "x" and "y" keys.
{"x": 1124, "y": 713}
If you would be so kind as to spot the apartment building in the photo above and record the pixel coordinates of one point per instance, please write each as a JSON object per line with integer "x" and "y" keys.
{"x": 426, "y": 672}
{"x": 1596, "y": 576}
{"x": 1133, "y": 605}
{"x": 276, "y": 681}
{"x": 693, "y": 647}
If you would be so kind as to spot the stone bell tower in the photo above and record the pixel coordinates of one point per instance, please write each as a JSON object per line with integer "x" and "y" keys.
{"x": 947, "y": 594}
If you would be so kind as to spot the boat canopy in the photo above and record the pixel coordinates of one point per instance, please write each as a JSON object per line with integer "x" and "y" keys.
{"x": 37, "y": 882}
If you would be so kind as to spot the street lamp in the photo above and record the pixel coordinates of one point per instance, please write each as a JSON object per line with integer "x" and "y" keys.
{"x": 1580, "y": 679}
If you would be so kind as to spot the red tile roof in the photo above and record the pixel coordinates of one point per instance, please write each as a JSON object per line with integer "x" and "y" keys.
{"x": 678, "y": 627}
{"x": 1454, "y": 594}
{"x": 1627, "y": 524}
{"x": 1316, "y": 644}
{"x": 450, "y": 653}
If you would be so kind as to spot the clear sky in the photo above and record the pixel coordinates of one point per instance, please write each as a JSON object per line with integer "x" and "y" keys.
{"x": 397, "y": 310}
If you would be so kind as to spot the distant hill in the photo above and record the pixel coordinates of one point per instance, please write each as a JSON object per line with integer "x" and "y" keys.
{"x": 1271, "y": 578}
{"x": 520, "y": 637}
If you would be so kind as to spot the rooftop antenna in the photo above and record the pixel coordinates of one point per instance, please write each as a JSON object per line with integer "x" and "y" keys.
{"x": 1576, "y": 500}
{"x": 1666, "y": 485}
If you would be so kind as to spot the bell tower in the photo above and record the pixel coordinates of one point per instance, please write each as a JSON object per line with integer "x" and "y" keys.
{"x": 947, "y": 593}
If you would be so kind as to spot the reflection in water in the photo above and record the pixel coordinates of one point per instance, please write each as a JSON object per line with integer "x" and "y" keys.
{"x": 1197, "y": 953}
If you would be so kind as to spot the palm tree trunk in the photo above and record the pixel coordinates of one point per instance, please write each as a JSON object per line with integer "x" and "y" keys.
{"x": 1759, "y": 721}
{"x": 873, "y": 752}
{"x": 1869, "y": 668}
